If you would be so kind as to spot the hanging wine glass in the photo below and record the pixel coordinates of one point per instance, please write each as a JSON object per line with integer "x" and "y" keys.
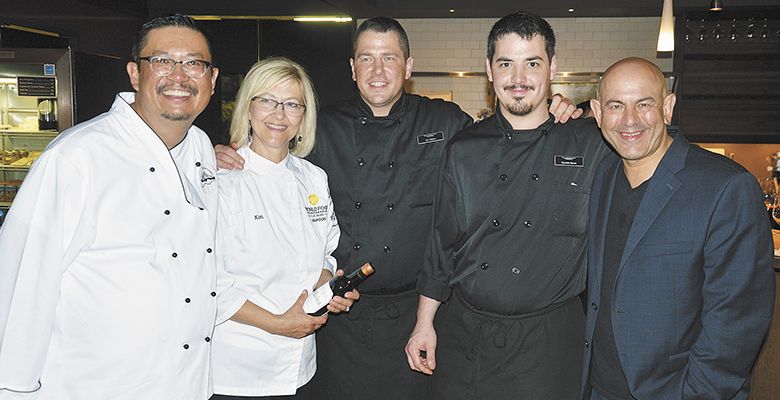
{"x": 702, "y": 35}
{"x": 764, "y": 34}
{"x": 717, "y": 34}
{"x": 733, "y": 34}
{"x": 750, "y": 32}
{"x": 688, "y": 34}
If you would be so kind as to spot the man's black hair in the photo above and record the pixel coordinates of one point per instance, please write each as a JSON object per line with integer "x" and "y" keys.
{"x": 525, "y": 25}
{"x": 176, "y": 20}
{"x": 383, "y": 25}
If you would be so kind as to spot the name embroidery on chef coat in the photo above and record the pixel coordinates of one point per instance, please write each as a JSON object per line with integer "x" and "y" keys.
{"x": 316, "y": 212}
{"x": 206, "y": 176}
{"x": 432, "y": 137}
{"x": 569, "y": 161}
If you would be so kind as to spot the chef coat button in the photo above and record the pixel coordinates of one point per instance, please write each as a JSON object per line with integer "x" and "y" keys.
{"x": 201, "y": 208}
{"x": 167, "y": 212}
{"x": 151, "y": 169}
{"x": 174, "y": 255}
{"x": 197, "y": 163}
{"x": 484, "y": 266}
{"x": 356, "y": 246}
{"x": 544, "y": 131}
{"x": 382, "y": 289}
{"x": 390, "y": 164}
{"x": 361, "y": 161}
{"x": 508, "y": 136}
{"x": 527, "y": 224}
{"x": 207, "y": 339}
{"x": 187, "y": 300}
{"x": 587, "y": 344}
{"x": 535, "y": 177}
{"x": 503, "y": 177}
{"x": 478, "y": 308}
{"x": 386, "y": 249}
{"x": 209, "y": 250}
{"x": 186, "y": 346}
{"x": 213, "y": 294}
{"x": 357, "y": 204}
{"x": 390, "y": 206}
{"x": 515, "y": 270}
{"x": 496, "y": 223}
{"x": 594, "y": 306}
{"x": 363, "y": 120}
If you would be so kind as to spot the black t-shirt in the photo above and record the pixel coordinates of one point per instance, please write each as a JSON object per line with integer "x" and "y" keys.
{"x": 607, "y": 374}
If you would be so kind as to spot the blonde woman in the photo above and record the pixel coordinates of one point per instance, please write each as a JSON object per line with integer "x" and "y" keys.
{"x": 277, "y": 230}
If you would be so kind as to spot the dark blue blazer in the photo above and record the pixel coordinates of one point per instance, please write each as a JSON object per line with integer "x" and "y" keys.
{"x": 695, "y": 289}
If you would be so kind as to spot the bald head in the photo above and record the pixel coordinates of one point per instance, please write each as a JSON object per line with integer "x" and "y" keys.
{"x": 631, "y": 69}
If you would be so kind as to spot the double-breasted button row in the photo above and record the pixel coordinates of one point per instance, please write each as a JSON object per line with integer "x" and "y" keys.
{"x": 503, "y": 177}
{"x": 356, "y": 246}
{"x": 509, "y": 136}
{"x": 361, "y": 162}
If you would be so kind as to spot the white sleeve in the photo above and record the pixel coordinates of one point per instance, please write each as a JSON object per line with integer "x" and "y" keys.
{"x": 45, "y": 229}
{"x": 230, "y": 297}
{"x": 333, "y": 238}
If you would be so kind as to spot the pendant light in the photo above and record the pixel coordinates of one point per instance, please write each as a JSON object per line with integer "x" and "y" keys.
{"x": 716, "y": 5}
{"x": 666, "y": 30}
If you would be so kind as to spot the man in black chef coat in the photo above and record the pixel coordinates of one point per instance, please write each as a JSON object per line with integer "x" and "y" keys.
{"x": 507, "y": 250}
{"x": 381, "y": 151}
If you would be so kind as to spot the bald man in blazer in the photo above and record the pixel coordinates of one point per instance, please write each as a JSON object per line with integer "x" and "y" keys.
{"x": 680, "y": 279}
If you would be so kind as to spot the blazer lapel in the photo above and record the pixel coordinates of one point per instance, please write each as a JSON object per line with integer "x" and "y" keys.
{"x": 661, "y": 188}
{"x": 604, "y": 203}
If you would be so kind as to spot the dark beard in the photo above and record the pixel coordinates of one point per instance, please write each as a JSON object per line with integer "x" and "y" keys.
{"x": 519, "y": 108}
{"x": 176, "y": 117}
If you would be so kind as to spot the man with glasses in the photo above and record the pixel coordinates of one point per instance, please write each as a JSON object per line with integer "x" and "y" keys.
{"x": 107, "y": 280}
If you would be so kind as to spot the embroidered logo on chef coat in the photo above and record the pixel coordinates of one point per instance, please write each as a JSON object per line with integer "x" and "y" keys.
{"x": 316, "y": 213}
{"x": 432, "y": 137}
{"x": 569, "y": 161}
{"x": 206, "y": 176}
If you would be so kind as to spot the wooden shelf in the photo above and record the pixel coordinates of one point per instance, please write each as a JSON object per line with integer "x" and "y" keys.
{"x": 15, "y": 167}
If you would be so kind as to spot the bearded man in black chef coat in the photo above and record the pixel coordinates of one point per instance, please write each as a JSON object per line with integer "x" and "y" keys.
{"x": 507, "y": 252}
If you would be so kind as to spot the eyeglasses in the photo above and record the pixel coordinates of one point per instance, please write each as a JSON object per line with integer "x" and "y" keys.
{"x": 290, "y": 108}
{"x": 164, "y": 66}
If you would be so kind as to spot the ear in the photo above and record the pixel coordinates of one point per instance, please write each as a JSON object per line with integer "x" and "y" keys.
{"x": 553, "y": 67}
{"x": 352, "y": 68}
{"x": 214, "y": 75}
{"x": 595, "y": 108}
{"x": 132, "y": 72}
{"x": 409, "y": 65}
{"x": 488, "y": 71}
{"x": 669, "y": 102}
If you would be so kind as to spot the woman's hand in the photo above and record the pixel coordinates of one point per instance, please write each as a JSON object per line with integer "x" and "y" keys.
{"x": 295, "y": 323}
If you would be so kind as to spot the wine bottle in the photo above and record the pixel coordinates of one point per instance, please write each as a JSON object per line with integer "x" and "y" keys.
{"x": 340, "y": 285}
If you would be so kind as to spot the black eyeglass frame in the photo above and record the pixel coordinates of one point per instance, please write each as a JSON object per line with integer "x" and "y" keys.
{"x": 173, "y": 67}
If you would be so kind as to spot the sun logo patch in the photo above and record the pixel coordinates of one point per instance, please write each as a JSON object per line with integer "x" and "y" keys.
{"x": 313, "y": 199}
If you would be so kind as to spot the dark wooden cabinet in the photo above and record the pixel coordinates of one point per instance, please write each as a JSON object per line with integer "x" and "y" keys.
{"x": 727, "y": 66}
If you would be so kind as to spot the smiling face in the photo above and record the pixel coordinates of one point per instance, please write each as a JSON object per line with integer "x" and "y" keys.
{"x": 174, "y": 99}
{"x": 633, "y": 110}
{"x": 273, "y": 130}
{"x": 379, "y": 69}
{"x": 521, "y": 74}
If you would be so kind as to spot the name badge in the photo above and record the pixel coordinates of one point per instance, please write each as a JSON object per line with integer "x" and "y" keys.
{"x": 569, "y": 161}
{"x": 432, "y": 137}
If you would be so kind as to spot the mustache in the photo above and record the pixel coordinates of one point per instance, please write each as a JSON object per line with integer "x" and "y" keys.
{"x": 177, "y": 86}
{"x": 521, "y": 87}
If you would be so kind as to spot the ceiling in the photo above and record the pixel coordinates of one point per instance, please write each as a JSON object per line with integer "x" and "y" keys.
{"x": 432, "y": 8}
{"x": 353, "y": 8}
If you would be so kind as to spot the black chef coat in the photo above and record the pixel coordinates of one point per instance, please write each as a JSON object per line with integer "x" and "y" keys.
{"x": 382, "y": 178}
{"x": 510, "y": 215}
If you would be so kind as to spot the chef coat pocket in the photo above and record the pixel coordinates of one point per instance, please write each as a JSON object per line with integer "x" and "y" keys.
{"x": 569, "y": 209}
{"x": 421, "y": 182}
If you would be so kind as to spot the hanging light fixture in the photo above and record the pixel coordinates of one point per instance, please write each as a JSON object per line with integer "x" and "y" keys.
{"x": 716, "y": 5}
{"x": 666, "y": 31}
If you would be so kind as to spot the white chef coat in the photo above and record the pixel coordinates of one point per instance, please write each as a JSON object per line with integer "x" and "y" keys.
{"x": 276, "y": 232}
{"x": 107, "y": 268}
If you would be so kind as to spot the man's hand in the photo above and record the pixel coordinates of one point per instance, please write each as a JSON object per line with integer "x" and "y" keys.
{"x": 421, "y": 349}
{"x": 561, "y": 108}
{"x": 295, "y": 323}
{"x": 228, "y": 158}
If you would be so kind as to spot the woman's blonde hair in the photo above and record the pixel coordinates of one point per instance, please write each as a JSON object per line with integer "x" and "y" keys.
{"x": 262, "y": 77}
